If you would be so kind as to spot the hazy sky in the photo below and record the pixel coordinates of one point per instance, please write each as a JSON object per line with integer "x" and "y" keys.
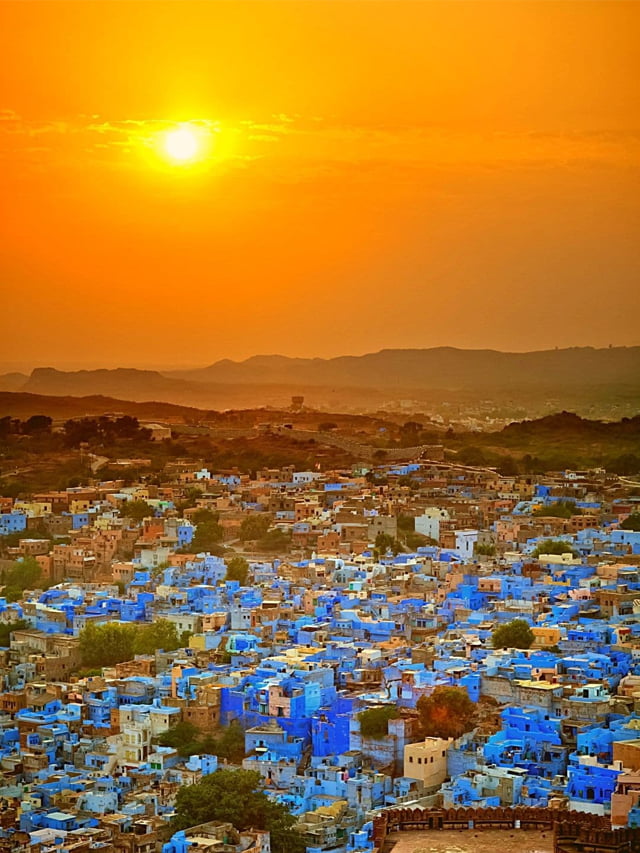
{"x": 371, "y": 174}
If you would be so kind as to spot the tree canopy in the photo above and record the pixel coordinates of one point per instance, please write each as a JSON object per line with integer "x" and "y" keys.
{"x": 384, "y": 542}
{"x": 103, "y": 430}
{"x": 254, "y": 527}
{"x": 235, "y": 796}
{"x": 6, "y": 629}
{"x": 554, "y": 546}
{"x": 237, "y": 569}
{"x": 188, "y": 740}
{"x": 632, "y": 522}
{"x": 447, "y": 713}
{"x": 275, "y": 540}
{"x": 108, "y": 643}
{"x": 374, "y": 721}
{"x": 25, "y": 573}
{"x": 207, "y": 537}
{"x": 513, "y": 635}
{"x": 137, "y": 510}
{"x": 559, "y": 509}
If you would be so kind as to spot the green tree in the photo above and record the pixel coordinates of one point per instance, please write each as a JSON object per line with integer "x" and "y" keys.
{"x": 275, "y": 540}
{"x": 107, "y": 643}
{"x": 237, "y": 569}
{"x": 406, "y": 523}
{"x": 137, "y": 510}
{"x": 559, "y": 509}
{"x": 374, "y": 721}
{"x": 472, "y": 456}
{"x": 447, "y": 712}
{"x": 25, "y": 573}
{"x": 632, "y": 522}
{"x": 183, "y": 737}
{"x": 384, "y": 542}
{"x": 203, "y": 514}
{"x": 418, "y": 540}
{"x": 207, "y": 537}
{"x": 554, "y": 546}
{"x": 512, "y": 635}
{"x": 37, "y": 424}
{"x": 484, "y": 549}
{"x": 230, "y": 744}
{"x": 234, "y": 796}
{"x": 161, "y": 634}
{"x": 254, "y": 527}
{"x": 6, "y": 629}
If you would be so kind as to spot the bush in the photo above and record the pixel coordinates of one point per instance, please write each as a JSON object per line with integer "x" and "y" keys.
{"x": 373, "y": 721}
{"x": 446, "y": 713}
{"x": 513, "y": 635}
{"x": 554, "y": 546}
{"x": 233, "y": 796}
{"x": 237, "y": 570}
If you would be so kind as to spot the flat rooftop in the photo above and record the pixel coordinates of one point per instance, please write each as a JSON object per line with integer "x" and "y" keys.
{"x": 470, "y": 841}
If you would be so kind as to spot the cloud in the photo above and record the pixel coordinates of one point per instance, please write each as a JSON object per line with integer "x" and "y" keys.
{"x": 300, "y": 145}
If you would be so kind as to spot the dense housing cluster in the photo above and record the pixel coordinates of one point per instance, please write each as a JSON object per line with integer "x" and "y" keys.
{"x": 420, "y": 634}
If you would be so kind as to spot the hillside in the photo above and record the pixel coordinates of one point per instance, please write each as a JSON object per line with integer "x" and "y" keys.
{"x": 592, "y": 382}
{"x": 441, "y": 367}
{"x": 22, "y": 405}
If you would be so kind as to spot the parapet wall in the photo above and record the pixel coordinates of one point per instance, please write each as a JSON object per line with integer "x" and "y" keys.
{"x": 572, "y": 831}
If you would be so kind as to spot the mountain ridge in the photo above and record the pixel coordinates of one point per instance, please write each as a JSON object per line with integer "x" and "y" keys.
{"x": 574, "y": 376}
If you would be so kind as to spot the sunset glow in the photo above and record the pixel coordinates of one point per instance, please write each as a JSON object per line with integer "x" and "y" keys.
{"x": 181, "y": 144}
{"x": 404, "y": 161}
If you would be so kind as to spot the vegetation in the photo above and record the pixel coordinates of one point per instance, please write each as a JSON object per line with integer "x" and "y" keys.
{"x": 208, "y": 535}
{"x": 237, "y": 569}
{"x": 632, "y": 522}
{"x": 188, "y": 740}
{"x": 234, "y": 796}
{"x": 446, "y": 713}
{"x": 554, "y": 546}
{"x": 559, "y": 509}
{"x": 254, "y": 527}
{"x": 23, "y": 574}
{"x": 108, "y": 643}
{"x": 137, "y": 510}
{"x": 103, "y": 430}
{"x": 204, "y": 515}
{"x": 275, "y": 540}
{"x": 6, "y": 629}
{"x": 373, "y": 721}
{"x": 513, "y": 635}
{"x": 487, "y": 549}
{"x": 384, "y": 542}
{"x": 413, "y": 541}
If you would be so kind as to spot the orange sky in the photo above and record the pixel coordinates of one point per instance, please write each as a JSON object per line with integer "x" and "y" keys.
{"x": 383, "y": 174}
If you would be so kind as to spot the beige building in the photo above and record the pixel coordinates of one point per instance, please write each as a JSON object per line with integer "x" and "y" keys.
{"x": 427, "y": 762}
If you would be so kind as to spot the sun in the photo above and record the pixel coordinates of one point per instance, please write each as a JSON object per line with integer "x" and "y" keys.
{"x": 182, "y": 144}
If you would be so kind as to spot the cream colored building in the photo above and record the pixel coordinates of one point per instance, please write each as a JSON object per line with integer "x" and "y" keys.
{"x": 427, "y": 762}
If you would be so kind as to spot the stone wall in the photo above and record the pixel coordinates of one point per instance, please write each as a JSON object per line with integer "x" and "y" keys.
{"x": 574, "y": 832}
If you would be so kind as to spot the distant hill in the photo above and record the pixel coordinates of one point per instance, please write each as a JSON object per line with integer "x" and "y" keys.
{"x": 21, "y": 405}
{"x": 123, "y": 382}
{"x": 601, "y": 382}
{"x": 438, "y": 368}
{"x": 13, "y": 381}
